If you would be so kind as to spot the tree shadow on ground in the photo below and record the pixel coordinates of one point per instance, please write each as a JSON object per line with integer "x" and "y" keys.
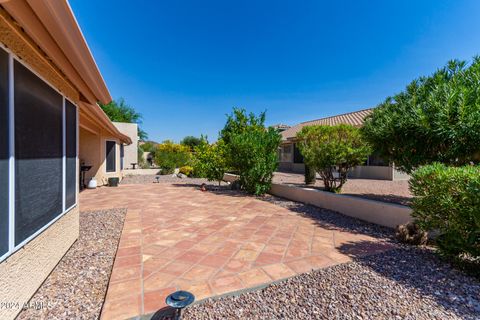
{"x": 323, "y": 218}
{"x": 215, "y": 189}
{"x": 332, "y": 220}
{"x": 419, "y": 268}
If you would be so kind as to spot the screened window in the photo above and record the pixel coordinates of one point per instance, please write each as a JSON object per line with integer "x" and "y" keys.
{"x": 110, "y": 156}
{"x": 376, "y": 160}
{"x": 297, "y": 155}
{"x": 70, "y": 154}
{"x": 38, "y": 153}
{"x": 4, "y": 152}
{"x": 122, "y": 156}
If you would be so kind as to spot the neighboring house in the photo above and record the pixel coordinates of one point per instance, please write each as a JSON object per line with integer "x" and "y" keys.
{"x": 49, "y": 118}
{"x": 280, "y": 127}
{"x": 291, "y": 160}
{"x": 128, "y": 153}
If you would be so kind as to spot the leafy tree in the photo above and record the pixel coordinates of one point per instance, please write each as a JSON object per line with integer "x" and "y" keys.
{"x": 251, "y": 150}
{"x": 149, "y": 146}
{"x": 169, "y": 156}
{"x": 239, "y": 122}
{"x": 120, "y": 111}
{"x": 210, "y": 161}
{"x": 332, "y": 151}
{"x": 436, "y": 119}
{"x": 191, "y": 141}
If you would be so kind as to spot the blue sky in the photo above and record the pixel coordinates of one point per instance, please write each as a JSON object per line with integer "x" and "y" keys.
{"x": 185, "y": 64}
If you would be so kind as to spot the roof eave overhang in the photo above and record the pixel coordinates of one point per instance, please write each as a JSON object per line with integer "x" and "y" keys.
{"x": 102, "y": 120}
{"x": 53, "y": 27}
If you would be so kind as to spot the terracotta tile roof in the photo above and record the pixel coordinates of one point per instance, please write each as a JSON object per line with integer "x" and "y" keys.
{"x": 355, "y": 118}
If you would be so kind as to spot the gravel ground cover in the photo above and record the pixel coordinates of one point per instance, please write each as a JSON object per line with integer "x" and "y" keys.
{"x": 381, "y": 190}
{"x": 76, "y": 287}
{"x": 142, "y": 179}
{"x": 405, "y": 283}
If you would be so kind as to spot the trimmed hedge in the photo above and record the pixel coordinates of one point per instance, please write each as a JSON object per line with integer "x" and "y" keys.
{"x": 447, "y": 200}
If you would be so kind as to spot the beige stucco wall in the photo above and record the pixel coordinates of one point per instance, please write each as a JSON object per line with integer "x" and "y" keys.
{"x": 23, "y": 272}
{"x": 89, "y": 153}
{"x": 131, "y": 150}
{"x": 381, "y": 213}
{"x": 92, "y": 151}
{"x": 371, "y": 172}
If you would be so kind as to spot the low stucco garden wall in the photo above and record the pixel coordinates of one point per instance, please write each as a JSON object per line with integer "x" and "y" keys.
{"x": 23, "y": 272}
{"x": 381, "y": 213}
{"x": 378, "y": 212}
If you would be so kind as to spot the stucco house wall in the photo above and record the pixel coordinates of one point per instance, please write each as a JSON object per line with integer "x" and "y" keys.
{"x": 37, "y": 34}
{"x": 287, "y": 156}
{"x": 92, "y": 152}
{"x": 24, "y": 271}
{"x": 131, "y": 150}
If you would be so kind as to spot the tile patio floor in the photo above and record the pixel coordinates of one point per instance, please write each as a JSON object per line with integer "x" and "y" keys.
{"x": 177, "y": 237}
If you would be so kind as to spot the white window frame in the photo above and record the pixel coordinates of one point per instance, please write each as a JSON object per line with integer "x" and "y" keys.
{"x": 12, "y": 248}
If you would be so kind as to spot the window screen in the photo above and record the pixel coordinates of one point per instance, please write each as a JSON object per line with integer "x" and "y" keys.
{"x": 38, "y": 153}
{"x": 110, "y": 156}
{"x": 297, "y": 155}
{"x": 4, "y": 154}
{"x": 71, "y": 154}
{"x": 122, "y": 156}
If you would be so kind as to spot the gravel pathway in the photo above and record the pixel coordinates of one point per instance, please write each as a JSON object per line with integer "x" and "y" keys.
{"x": 150, "y": 178}
{"x": 381, "y": 190}
{"x": 406, "y": 283}
{"x": 76, "y": 287}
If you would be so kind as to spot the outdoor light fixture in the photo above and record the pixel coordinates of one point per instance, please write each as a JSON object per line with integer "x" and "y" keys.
{"x": 179, "y": 300}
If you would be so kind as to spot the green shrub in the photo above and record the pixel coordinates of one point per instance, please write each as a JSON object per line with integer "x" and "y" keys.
{"x": 186, "y": 170}
{"x": 447, "y": 200}
{"x": 251, "y": 150}
{"x": 210, "y": 161}
{"x": 435, "y": 119}
{"x": 169, "y": 156}
{"x": 166, "y": 170}
{"x": 332, "y": 151}
{"x": 254, "y": 155}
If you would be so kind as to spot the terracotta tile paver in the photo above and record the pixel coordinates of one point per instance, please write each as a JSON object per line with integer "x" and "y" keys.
{"x": 177, "y": 237}
{"x": 254, "y": 277}
{"x": 278, "y": 271}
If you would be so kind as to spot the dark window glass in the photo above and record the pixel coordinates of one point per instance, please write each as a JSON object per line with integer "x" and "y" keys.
{"x": 122, "y": 156}
{"x": 110, "y": 156}
{"x": 376, "y": 160}
{"x": 71, "y": 154}
{"x": 38, "y": 153}
{"x": 297, "y": 156}
{"x": 4, "y": 154}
